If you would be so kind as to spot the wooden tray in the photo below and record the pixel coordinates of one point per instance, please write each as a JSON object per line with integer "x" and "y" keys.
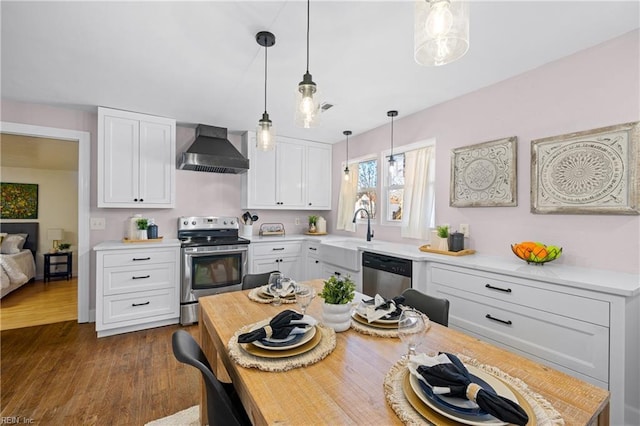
{"x": 464, "y": 252}
{"x": 150, "y": 240}
{"x": 316, "y": 233}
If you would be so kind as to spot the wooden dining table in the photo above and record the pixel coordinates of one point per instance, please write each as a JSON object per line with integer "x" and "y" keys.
{"x": 346, "y": 387}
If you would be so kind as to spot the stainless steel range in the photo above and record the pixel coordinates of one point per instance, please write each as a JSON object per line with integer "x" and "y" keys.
{"x": 214, "y": 260}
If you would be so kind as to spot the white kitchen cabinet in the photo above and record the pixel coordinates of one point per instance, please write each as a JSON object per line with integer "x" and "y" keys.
{"x": 283, "y": 256}
{"x": 296, "y": 175}
{"x": 356, "y": 276}
{"x": 136, "y": 288}
{"x": 136, "y": 160}
{"x": 313, "y": 262}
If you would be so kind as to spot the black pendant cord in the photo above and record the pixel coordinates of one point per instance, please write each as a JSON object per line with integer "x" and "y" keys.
{"x": 391, "y": 158}
{"x": 308, "y": 6}
{"x": 265, "y": 78}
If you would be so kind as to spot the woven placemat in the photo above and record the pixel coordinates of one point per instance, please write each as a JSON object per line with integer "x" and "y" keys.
{"x": 373, "y": 331}
{"x": 255, "y": 295}
{"x": 320, "y": 351}
{"x": 545, "y": 414}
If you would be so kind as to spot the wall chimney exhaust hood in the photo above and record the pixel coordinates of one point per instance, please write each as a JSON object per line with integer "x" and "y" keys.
{"x": 212, "y": 152}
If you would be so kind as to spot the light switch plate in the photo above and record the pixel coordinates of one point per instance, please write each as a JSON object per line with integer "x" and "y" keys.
{"x": 98, "y": 223}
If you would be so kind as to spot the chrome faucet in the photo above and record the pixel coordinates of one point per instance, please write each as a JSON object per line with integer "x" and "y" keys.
{"x": 369, "y": 231}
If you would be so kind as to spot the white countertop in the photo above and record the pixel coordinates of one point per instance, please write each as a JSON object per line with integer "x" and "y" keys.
{"x": 119, "y": 245}
{"x": 601, "y": 280}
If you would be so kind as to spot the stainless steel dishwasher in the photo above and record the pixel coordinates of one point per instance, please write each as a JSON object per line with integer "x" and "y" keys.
{"x": 385, "y": 275}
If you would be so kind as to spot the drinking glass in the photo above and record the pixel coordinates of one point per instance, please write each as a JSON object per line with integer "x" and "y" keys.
{"x": 304, "y": 296}
{"x": 411, "y": 329}
{"x": 275, "y": 287}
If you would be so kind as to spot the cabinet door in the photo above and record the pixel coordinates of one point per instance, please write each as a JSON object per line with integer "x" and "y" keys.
{"x": 157, "y": 163}
{"x": 259, "y": 183}
{"x": 319, "y": 177}
{"x": 118, "y": 161}
{"x": 291, "y": 172}
{"x": 260, "y": 266}
{"x": 314, "y": 268}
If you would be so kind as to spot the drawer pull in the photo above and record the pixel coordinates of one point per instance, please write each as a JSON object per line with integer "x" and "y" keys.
{"x": 506, "y": 290}
{"x": 140, "y": 304}
{"x": 277, "y": 248}
{"x": 508, "y": 322}
{"x": 135, "y": 259}
{"x": 313, "y": 248}
{"x": 140, "y": 278}
{"x": 336, "y": 273}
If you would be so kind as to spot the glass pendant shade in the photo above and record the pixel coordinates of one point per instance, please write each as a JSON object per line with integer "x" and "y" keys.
{"x": 347, "y": 133}
{"x": 441, "y": 31}
{"x": 265, "y": 134}
{"x": 307, "y": 103}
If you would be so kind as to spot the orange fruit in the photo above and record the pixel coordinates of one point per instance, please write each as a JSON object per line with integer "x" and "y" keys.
{"x": 540, "y": 252}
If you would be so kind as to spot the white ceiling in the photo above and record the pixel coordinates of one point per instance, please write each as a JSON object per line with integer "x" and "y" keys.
{"x": 198, "y": 62}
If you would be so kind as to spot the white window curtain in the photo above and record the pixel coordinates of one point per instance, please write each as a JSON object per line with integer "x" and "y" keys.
{"x": 419, "y": 200}
{"x": 347, "y": 201}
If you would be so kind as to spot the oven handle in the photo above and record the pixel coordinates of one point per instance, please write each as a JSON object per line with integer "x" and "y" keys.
{"x": 191, "y": 252}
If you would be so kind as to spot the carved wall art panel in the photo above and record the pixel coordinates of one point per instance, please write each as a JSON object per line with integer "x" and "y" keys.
{"x": 484, "y": 175}
{"x": 591, "y": 172}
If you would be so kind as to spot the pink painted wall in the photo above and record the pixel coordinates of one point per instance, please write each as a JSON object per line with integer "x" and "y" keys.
{"x": 594, "y": 88}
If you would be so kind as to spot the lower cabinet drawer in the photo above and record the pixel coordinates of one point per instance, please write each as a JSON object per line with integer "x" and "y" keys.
{"x": 578, "y": 346}
{"x": 136, "y": 306}
{"x": 141, "y": 278}
{"x": 277, "y": 249}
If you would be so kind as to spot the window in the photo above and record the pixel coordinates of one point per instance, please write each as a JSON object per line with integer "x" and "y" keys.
{"x": 366, "y": 196}
{"x": 408, "y": 193}
{"x": 395, "y": 190}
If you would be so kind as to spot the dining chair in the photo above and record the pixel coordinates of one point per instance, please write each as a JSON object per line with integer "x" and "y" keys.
{"x": 223, "y": 405}
{"x": 250, "y": 281}
{"x": 435, "y": 308}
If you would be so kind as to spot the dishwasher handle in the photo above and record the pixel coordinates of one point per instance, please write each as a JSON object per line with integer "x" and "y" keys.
{"x": 391, "y": 264}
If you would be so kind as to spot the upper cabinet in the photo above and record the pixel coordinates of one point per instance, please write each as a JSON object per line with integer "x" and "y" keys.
{"x": 294, "y": 176}
{"x": 136, "y": 160}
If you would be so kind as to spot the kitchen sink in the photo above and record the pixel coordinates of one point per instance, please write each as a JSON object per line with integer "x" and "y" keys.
{"x": 344, "y": 253}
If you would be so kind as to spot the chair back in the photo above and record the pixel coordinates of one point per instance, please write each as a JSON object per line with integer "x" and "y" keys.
{"x": 255, "y": 280}
{"x": 435, "y": 308}
{"x": 220, "y": 409}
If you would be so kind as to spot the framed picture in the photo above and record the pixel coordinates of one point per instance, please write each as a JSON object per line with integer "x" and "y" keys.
{"x": 484, "y": 175}
{"x": 591, "y": 172}
{"x": 19, "y": 200}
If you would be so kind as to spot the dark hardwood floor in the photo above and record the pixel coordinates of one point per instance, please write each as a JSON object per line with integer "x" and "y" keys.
{"x": 62, "y": 374}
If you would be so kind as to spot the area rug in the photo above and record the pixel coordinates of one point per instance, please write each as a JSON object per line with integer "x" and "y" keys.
{"x": 188, "y": 417}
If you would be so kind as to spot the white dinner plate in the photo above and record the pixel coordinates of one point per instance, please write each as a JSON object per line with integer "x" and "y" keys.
{"x": 488, "y": 420}
{"x": 363, "y": 314}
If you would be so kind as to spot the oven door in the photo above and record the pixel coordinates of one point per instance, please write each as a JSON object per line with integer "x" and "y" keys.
{"x": 212, "y": 270}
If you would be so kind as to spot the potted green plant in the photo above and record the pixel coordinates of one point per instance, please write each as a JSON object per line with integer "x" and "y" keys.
{"x": 338, "y": 293}
{"x": 64, "y": 246}
{"x": 313, "y": 223}
{"x": 142, "y": 224}
{"x": 440, "y": 238}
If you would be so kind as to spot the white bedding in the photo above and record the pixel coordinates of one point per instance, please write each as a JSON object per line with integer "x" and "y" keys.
{"x": 16, "y": 270}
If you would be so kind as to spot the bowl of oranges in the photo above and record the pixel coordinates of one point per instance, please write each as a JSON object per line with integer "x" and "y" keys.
{"x": 536, "y": 253}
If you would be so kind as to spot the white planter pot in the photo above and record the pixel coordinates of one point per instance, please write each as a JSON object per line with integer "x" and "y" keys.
{"x": 142, "y": 234}
{"x": 337, "y": 317}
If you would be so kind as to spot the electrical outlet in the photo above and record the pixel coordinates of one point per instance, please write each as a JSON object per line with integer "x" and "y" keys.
{"x": 464, "y": 228}
{"x": 297, "y": 221}
{"x": 98, "y": 223}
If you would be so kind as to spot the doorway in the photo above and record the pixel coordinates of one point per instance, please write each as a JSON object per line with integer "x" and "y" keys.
{"x": 83, "y": 140}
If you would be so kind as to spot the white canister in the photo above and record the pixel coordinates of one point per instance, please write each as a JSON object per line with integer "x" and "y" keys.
{"x": 133, "y": 227}
{"x": 321, "y": 225}
{"x": 247, "y": 231}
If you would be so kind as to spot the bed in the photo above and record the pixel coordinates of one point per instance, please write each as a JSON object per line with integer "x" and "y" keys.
{"x": 17, "y": 269}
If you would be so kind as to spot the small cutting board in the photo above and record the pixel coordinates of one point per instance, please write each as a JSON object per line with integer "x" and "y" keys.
{"x": 428, "y": 249}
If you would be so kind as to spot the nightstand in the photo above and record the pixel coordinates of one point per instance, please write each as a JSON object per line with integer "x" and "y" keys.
{"x": 58, "y": 260}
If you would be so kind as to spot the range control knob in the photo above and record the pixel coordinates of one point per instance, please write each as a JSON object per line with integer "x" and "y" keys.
{"x": 224, "y": 222}
{"x": 232, "y": 222}
{"x": 194, "y": 223}
{"x": 186, "y": 222}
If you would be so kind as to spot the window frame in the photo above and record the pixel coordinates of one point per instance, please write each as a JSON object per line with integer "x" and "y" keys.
{"x": 385, "y": 188}
{"x": 355, "y": 162}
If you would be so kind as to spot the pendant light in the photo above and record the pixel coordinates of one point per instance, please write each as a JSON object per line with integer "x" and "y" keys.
{"x": 346, "y": 168}
{"x": 441, "y": 31}
{"x": 392, "y": 160}
{"x": 265, "y": 134}
{"x": 307, "y": 102}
